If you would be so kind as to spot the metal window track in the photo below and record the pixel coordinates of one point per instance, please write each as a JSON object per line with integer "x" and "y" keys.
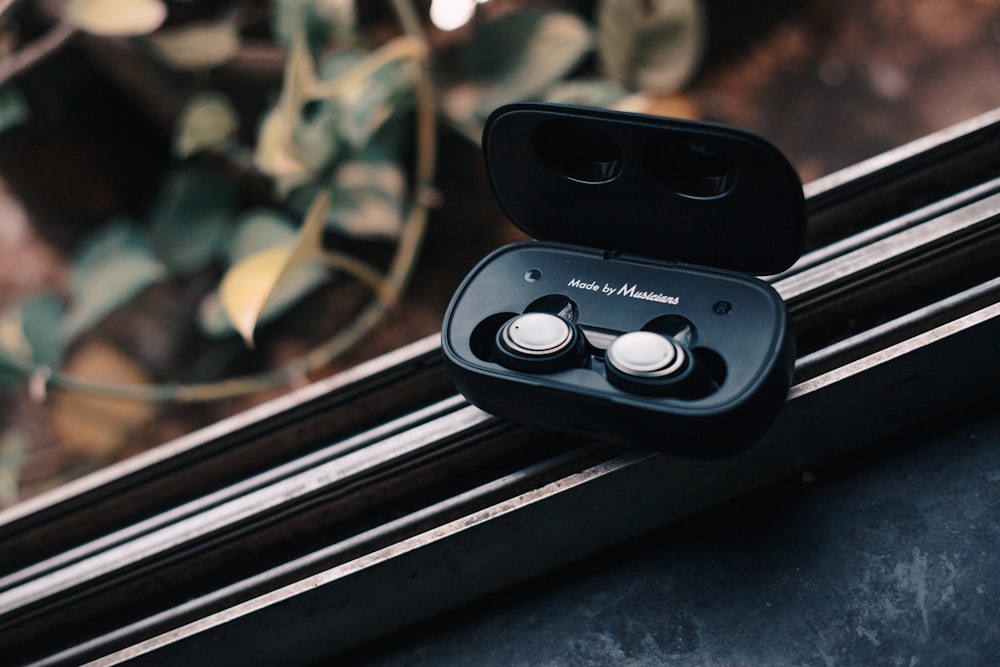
{"x": 378, "y": 497}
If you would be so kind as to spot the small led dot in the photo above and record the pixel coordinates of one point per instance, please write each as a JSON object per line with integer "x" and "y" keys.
{"x": 722, "y": 308}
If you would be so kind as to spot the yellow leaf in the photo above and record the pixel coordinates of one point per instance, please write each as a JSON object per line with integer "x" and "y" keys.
{"x": 98, "y": 425}
{"x": 276, "y": 154}
{"x": 116, "y": 18}
{"x": 299, "y": 78}
{"x": 12, "y": 338}
{"x": 198, "y": 45}
{"x": 249, "y": 284}
{"x": 309, "y": 243}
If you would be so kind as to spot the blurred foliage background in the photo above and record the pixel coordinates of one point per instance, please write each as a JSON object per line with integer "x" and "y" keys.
{"x": 204, "y": 203}
{"x": 220, "y": 163}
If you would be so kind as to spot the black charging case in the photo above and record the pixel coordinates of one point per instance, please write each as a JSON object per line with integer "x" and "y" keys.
{"x": 645, "y": 224}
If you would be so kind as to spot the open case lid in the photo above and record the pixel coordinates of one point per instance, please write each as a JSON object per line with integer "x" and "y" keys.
{"x": 676, "y": 190}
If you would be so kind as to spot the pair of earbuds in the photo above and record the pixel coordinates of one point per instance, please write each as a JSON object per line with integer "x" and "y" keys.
{"x": 641, "y": 362}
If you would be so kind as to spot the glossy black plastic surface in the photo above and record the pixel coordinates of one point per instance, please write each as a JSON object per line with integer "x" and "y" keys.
{"x": 660, "y": 187}
{"x": 734, "y": 327}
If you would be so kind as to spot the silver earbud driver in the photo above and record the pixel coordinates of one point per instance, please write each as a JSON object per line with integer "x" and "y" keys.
{"x": 537, "y": 334}
{"x": 644, "y": 354}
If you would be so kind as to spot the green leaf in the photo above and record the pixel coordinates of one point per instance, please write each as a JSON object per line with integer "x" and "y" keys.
{"x": 368, "y": 197}
{"x": 208, "y": 120}
{"x": 653, "y": 46}
{"x": 319, "y": 20}
{"x": 540, "y": 45}
{"x": 317, "y": 120}
{"x": 199, "y": 45}
{"x": 345, "y": 118}
{"x": 114, "y": 266}
{"x": 513, "y": 58}
{"x": 41, "y": 317}
{"x": 260, "y": 229}
{"x": 212, "y": 319}
{"x": 115, "y": 18}
{"x": 190, "y": 221}
{"x": 14, "y": 108}
{"x": 30, "y": 336}
{"x": 39, "y": 320}
{"x": 362, "y": 110}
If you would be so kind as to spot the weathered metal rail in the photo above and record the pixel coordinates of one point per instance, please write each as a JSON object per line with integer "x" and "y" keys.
{"x": 378, "y": 497}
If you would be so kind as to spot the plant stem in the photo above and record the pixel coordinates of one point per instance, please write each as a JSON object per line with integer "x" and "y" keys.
{"x": 5, "y": 5}
{"x": 408, "y": 17}
{"x": 36, "y": 51}
{"x": 361, "y": 270}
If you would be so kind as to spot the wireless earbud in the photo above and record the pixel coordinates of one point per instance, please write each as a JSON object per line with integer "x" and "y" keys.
{"x": 648, "y": 363}
{"x": 644, "y": 361}
{"x": 538, "y": 342}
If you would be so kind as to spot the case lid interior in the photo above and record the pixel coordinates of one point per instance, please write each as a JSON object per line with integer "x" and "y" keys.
{"x": 671, "y": 189}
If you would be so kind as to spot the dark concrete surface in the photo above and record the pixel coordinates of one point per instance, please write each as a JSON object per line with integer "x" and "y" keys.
{"x": 886, "y": 558}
